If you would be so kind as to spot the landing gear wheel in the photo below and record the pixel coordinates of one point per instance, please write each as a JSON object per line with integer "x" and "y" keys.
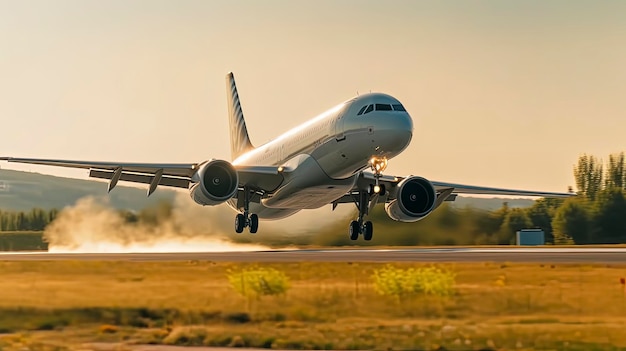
{"x": 254, "y": 223}
{"x": 240, "y": 222}
{"x": 368, "y": 231}
{"x": 245, "y": 219}
{"x": 354, "y": 230}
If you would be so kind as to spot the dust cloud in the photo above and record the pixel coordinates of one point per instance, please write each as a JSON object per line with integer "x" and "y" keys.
{"x": 92, "y": 225}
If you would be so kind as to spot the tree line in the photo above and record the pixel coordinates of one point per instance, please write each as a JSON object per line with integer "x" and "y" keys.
{"x": 34, "y": 220}
{"x": 598, "y": 214}
{"x": 37, "y": 219}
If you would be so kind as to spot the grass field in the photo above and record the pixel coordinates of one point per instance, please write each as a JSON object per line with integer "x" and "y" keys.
{"x": 60, "y": 305}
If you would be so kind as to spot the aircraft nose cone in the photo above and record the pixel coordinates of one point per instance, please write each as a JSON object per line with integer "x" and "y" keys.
{"x": 396, "y": 129}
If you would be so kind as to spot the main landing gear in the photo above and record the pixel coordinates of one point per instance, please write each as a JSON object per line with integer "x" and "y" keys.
{"x": 245, "y": 219}
{"x": 367, "y": 199}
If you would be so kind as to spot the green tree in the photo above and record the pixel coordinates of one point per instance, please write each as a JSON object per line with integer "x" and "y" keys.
{"x": 616, "y": 172}
{"x": 541, "y": 214}
{"x": 449, "y": 217}
{"x": 610, "y": 217}
{"x": 37, "y": 219}
{"x": 52, "y": 215}
{"x": 571, "y": 221}
{"x": 495, "y": 219}
{"x": 515, "y": 220}
{"x": 11, "y": 222}
{"x": 21, "y": 222}
{"x": 588, "y": 174}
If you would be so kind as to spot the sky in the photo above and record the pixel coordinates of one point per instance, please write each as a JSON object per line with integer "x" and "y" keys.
{"x": 502, "y": 93}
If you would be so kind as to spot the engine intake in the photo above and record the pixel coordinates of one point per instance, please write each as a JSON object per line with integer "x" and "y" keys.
{"x": 215, "y": 182}
{"x": 415, "y": 199}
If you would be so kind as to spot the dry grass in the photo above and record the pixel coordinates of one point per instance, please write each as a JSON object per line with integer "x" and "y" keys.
{"x": 329, "y": 305}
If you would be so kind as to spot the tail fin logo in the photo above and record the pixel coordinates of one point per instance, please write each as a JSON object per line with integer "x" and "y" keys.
{"x": 239, "y": 139}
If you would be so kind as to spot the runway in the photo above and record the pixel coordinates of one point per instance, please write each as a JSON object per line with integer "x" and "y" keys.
{"x": 460, "y": 254}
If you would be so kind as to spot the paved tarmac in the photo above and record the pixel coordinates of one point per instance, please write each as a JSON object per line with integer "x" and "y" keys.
{"x": 456, "y": 254}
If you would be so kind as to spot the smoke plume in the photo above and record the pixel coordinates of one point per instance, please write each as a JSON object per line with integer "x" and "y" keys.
{"x": 93, "y": 226}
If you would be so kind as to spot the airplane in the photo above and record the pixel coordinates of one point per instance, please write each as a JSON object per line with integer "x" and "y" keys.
{"x": 337, "y": 157}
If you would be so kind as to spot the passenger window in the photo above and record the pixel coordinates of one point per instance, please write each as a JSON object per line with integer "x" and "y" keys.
{"x": 383, "y": 107}
{"x": 398, "y": 107}
{"x": 370, "y": 108}
{"x": 361, "y": 110}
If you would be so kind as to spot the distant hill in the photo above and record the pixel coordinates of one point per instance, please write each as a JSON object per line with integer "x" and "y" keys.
{"x": 26, "y": 190}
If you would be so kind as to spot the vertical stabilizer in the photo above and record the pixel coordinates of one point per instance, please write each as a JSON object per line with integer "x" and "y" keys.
{"x": 239, "y": 140}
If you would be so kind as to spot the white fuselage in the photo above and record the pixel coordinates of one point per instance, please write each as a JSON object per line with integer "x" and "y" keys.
{"x": 321, "y": 159}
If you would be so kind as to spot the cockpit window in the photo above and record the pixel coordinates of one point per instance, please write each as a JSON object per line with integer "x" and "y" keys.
{"x": 361, "y": 110}
{"x": 398, "y": 107}
{"x": 383, "y": 107}
{"x": 370, "y": 108}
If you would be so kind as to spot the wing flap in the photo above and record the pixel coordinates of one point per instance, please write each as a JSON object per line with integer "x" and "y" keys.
{"x": 141, "y": 178}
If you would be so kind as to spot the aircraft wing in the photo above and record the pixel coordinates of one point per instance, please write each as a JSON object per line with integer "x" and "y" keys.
{"x": 166, "y": 174}
{"x": 445, "y": 191}
{"x": 481, "y": 190}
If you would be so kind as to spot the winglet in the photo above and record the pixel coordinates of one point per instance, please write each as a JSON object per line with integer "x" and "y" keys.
{"x": 239, "y": 139}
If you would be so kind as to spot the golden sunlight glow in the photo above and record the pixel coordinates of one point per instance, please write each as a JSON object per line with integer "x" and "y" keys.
{"x": 378, "y": 164}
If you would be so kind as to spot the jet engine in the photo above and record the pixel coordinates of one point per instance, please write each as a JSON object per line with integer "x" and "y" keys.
{"x": 215, "y": 182}
{"x": 415, "y": 199}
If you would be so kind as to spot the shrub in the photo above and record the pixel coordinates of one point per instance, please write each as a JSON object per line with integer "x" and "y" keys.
{"x": 258, "y": 282}
{"x": 398, "y": 283}
{"x": 237, "y": 317}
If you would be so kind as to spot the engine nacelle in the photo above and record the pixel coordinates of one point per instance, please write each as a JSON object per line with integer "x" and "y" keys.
{"x": 215, "y": 182}
{"x": 415, "y": 199}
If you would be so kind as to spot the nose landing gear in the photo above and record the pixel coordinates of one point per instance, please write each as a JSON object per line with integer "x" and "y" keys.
{"x": 360, "y": 226}
{"x": 367, "y": 199}
{"x": 377, "y": 165}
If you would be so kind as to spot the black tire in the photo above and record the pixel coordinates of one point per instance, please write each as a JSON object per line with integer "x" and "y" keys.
{"x": 240, "y": 223}
{"x": 368, "y": 231}
{"x": 354, "y": 230}
{"x": 254, "y": 223}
